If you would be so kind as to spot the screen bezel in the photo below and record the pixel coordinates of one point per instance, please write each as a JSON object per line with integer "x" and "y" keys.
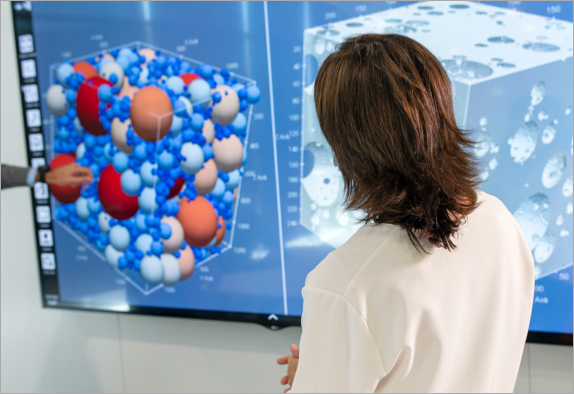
{"x": 272, "y": 321}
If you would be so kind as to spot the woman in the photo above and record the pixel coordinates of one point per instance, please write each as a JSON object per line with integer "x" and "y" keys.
{"x": 434, "y": 293}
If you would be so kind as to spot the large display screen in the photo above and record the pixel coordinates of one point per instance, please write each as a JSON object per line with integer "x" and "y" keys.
{"x": 215, "y": 193}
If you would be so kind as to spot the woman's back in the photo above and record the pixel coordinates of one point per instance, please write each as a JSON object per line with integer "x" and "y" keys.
{"x": 381, "y": 316}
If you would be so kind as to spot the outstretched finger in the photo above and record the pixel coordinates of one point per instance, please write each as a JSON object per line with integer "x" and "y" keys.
{"x": 295, "y": 350}
{"x": 286, "y": 390}
{"x": 283, "y": 360}
{"x": 284, "y": 379}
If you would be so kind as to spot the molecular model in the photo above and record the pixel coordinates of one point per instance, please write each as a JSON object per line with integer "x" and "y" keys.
{"x": 165, "y": 143}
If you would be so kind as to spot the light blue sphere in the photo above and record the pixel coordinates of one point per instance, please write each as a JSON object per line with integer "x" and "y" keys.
{"x": 253, "y": 94}
{"x": 104, "y": 222}
{"x": 147, "y": 201}
{"x": 82, "y": 208}
{"x": 80, "y": 151}
{"x": 200, "y": 92}
{"x": 218, "y": 189}
{"x": 124, "y": 52}
{"x": 165, "y": 230}
{"x": 64, "y": 71}
{"x": 94, "y": 205}
{"x": 171, "y": 269}
{"x": 119, "y": 237}
{"x": 140, "y": 223}
{"x": 218, "y": 79}
{"x": 175, "y": 84}
{"x": 124, "y": 62}
{"x": 78, "y": 125}
{"x": 109, "y": 158}
{"x": 166, "y": 160}
{"x": 194, "y": 158}
{"x": 148, "y": 179}
{"x": 237, "y": 87}
{"x": 143, "y": 243}
{"x": 144, "y": 76}
{"x": 240, "y": 123}
{"x": 112, "y": 256}
{"x": 131, "y": 182}
{"x": 244, "y": 157}
{"x": 176, "y": 125}
{"x": 233, "y": 181}
{"x": 120, "y": 162}
{"x": 227, "y": 197}
{"x": 151, "y": 270}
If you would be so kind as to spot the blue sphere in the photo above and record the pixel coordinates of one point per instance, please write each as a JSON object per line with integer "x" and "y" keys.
{"x": 64, "y": 71}
{"x": 227, "y": 197}
{"x": 166, "y": 160}
{"x": 120, "y": 162}
{"x": 175, "y": 84}
{"x": 147, "y": 201}
{"x": 196, "y": 122}
{"x": 112, "y": 256}
{"x": 237, "y": 87}
{"x": 148, "y": 179}
{"x": 143, "y": 243}
{"x": 200, "y": 92}
{"x": 82, "y": 208}
{"x": 240, "y": 123}
{"x": 151, "y": 270}
{"x": 94, "y": 205}
{"x": 105, "y": 93}
{"x": 253, "y": 94}
{"x": 119, "y": 237}
{"x": 124, "y": 62}
{"x": 140, "y": 151}
{"x": 131, "y": 182}
{"x": 233, "y": 181}
{"x": 194, "y": 158}
{"x": 140, "y": 223}
{"x": 218, "y": 189}
{"x": 165, "y": 230}
{"x": 156, "y": 248}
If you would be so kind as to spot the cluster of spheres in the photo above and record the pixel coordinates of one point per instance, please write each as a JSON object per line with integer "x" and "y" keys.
{"x": 165, "y": 143}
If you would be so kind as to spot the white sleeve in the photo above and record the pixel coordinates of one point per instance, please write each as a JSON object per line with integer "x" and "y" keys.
{"x": 337, "y": 352}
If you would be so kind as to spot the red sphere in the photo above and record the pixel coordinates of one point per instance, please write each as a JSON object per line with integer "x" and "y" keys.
{"x": 178, "y": 184}
{"x": 220, "y": 233}
{"x": 114, "y": 201}
{"x": 188, "y": 78}
{"x": 64, "y": 194}
{"x": 87, "y": 105}
{"x": 198, "y": 219}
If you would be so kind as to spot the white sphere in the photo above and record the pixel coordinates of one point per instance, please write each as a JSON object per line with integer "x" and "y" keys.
{"x": 174, "y": 242}
{"x": 146, "y": 200}
{"x": 110, "y": 68}
{"x": 143, "y": 243}
{"x": 56, "y": 100}
{"x": 226, "y": 110}
{"x": 228, "y": 153}
{"x": 119, "y": 237}
{"x": 151, "y": 270}
{"x": 80, "y": 150}
{"x": 104, "y": 222}
{"x": 119, "y": 137}
{"x": 194, "y": 158}
{"x": 112, "y": 256}
{"x": 171, "y": 269}
{"x": 82, "y": 208}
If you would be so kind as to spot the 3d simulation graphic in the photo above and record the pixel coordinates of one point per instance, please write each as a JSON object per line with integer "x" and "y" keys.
{"x": 522, "y": 134}
{"x": 164, "y": 138}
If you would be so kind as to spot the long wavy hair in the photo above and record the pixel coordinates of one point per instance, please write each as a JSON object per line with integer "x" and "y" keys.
{"x": 385, "y": 106}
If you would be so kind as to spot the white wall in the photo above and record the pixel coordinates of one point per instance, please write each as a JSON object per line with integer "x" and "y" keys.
{"x": 68, "y": 351}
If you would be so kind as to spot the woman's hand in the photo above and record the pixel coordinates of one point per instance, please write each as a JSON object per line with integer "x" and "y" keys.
{"x": 292, "y": 362}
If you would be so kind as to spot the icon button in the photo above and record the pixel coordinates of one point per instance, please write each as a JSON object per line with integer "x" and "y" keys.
{"x": 31, "y": 93}
{"x": 28, "y": 68}
{"x": 48, "y": 261}
{"x": 272, "y": 317}
{"x": 34, "y": 118}
{"x": 46, "y": 238}
{"x": 43, "y": 214}
{"x": 25, "y": 43}
{"x": 36, "y": 142}
{"x": 38, "y": 162}
{"x": 41, "y": 191}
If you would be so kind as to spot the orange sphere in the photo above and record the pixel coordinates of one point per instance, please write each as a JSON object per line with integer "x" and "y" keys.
{"x": 186, "y": 262}
{"x": 206, "y": 178}
{"x": 86, "y": 69}
{"x": 151, "y": 113}
{"x": 220, "y": 233}
{"x": 198, "y": 219}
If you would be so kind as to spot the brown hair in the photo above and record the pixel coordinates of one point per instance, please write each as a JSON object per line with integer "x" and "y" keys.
{"x": 385, "y": 106}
